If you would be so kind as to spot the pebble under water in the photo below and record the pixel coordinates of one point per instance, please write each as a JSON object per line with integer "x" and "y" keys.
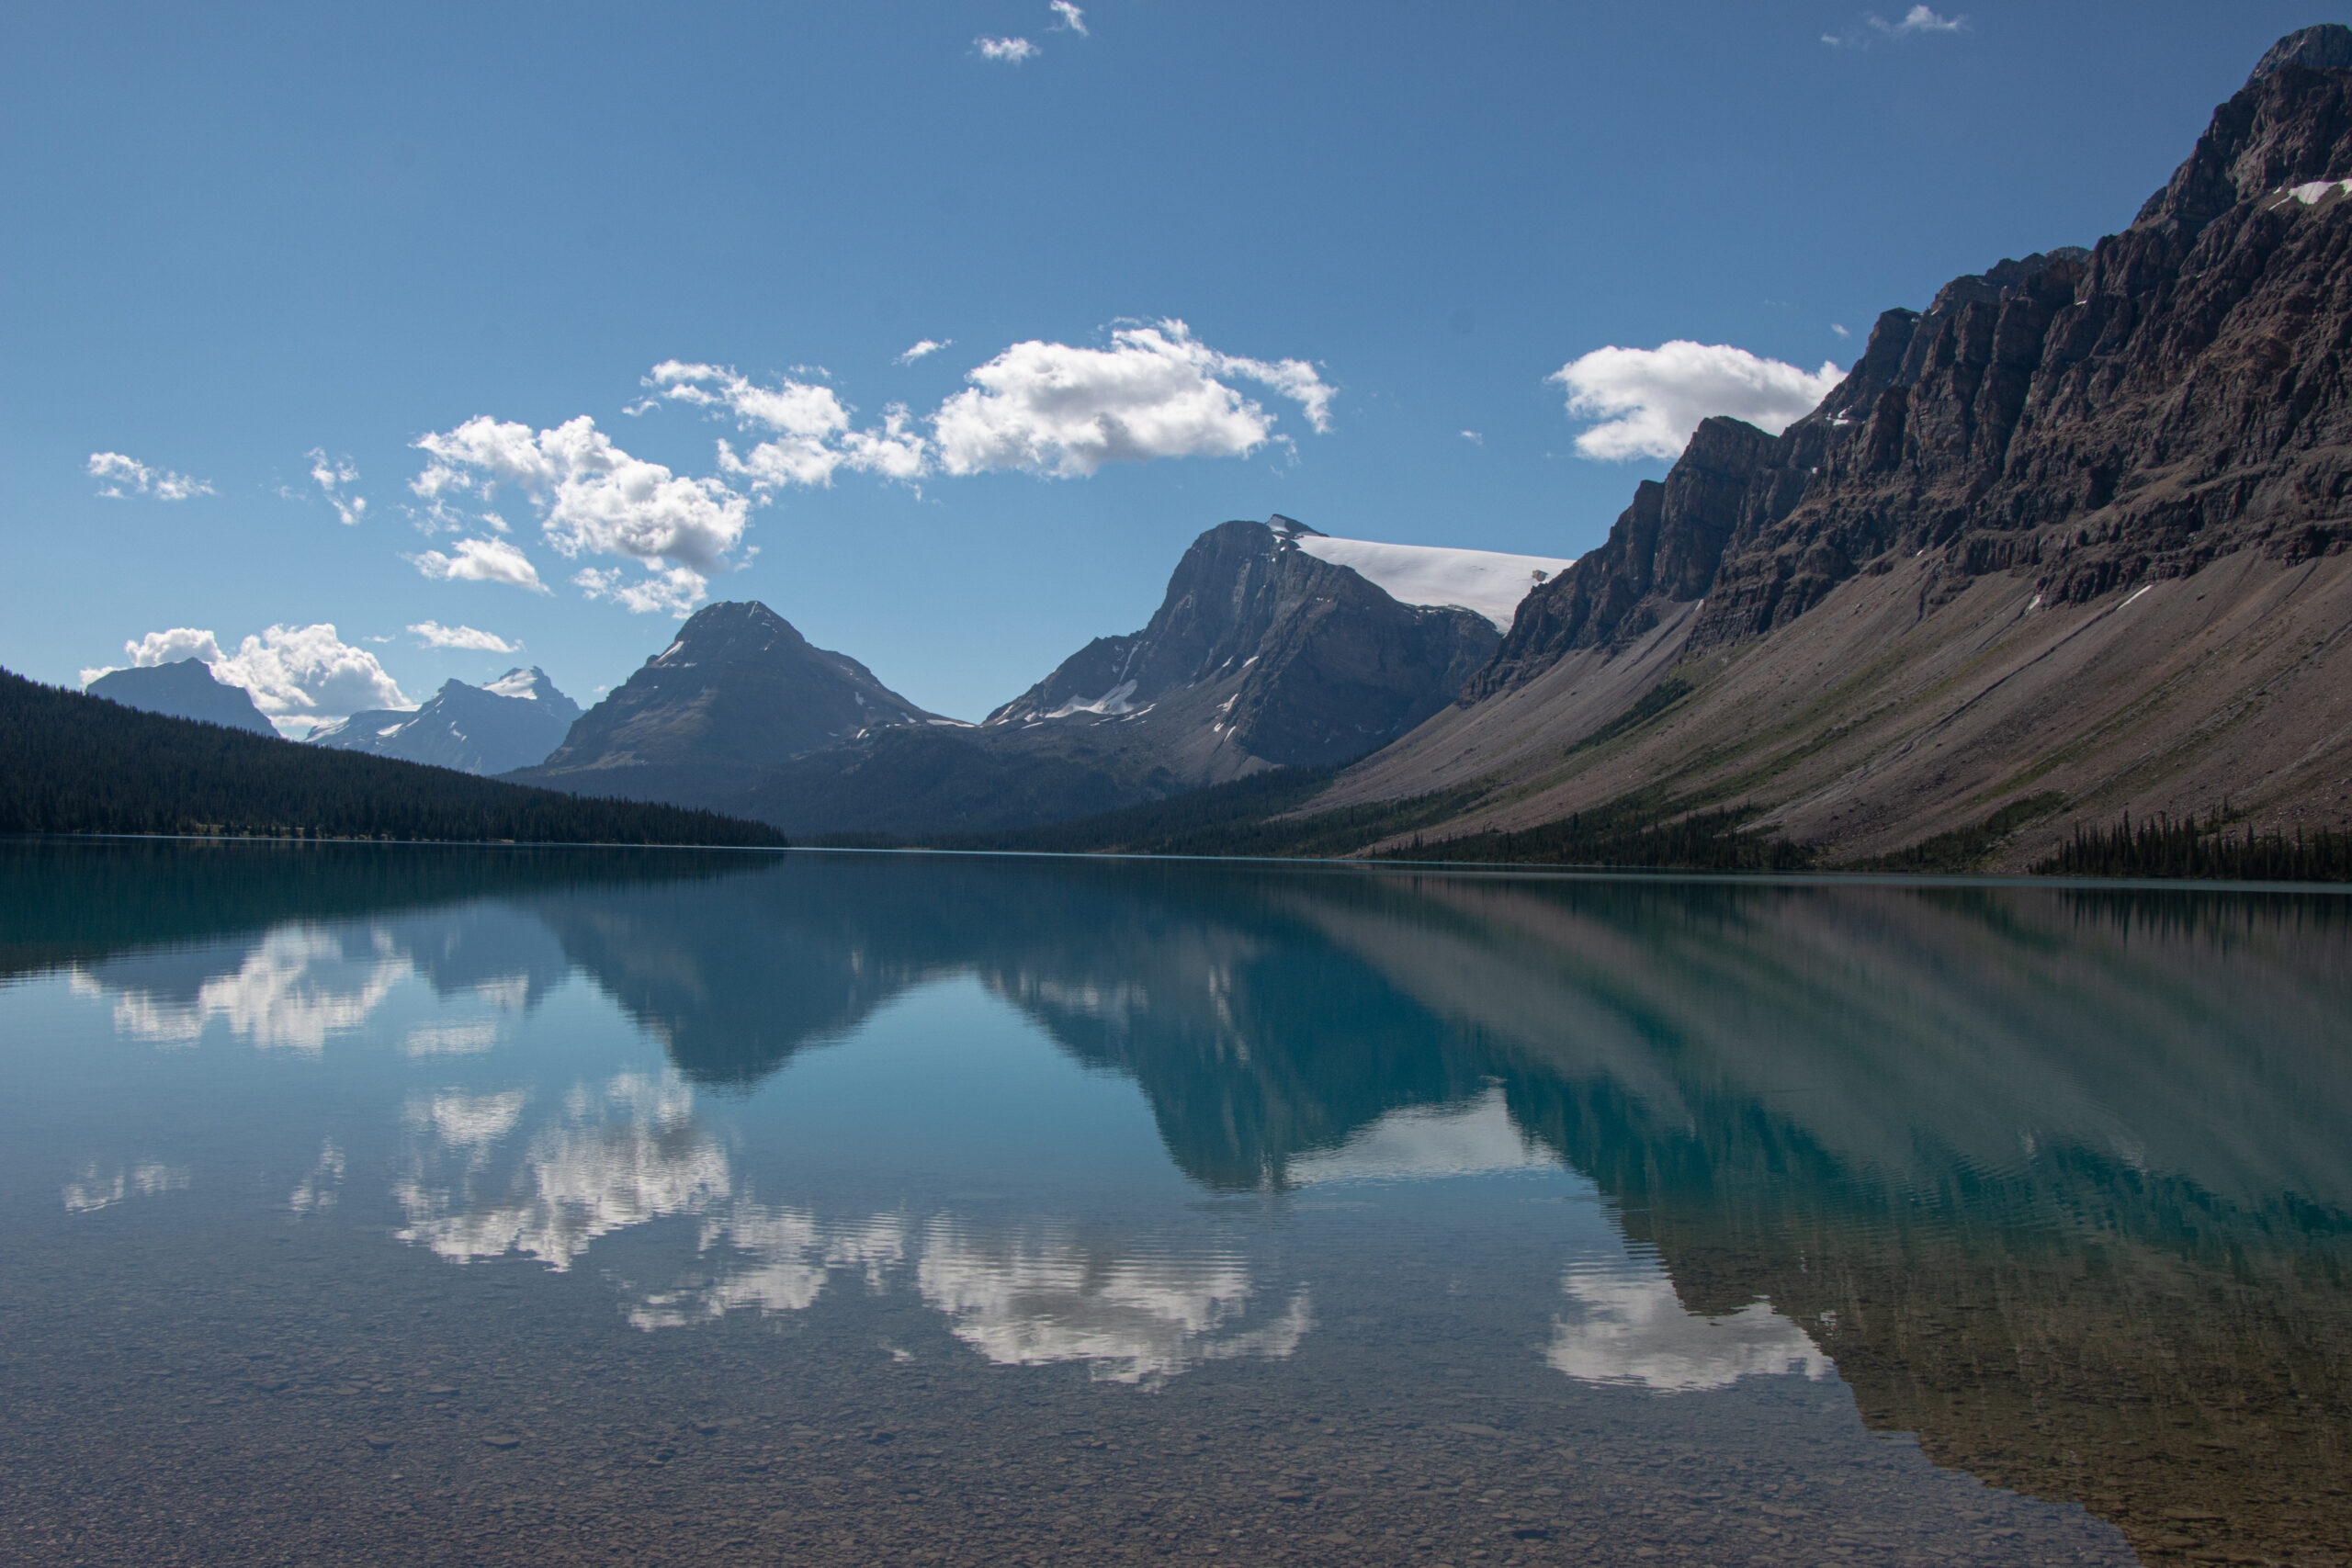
{"x": 395, "y": 1204}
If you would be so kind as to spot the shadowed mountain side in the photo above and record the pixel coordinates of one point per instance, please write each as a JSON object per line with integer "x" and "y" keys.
{"x": 71, "y": 763}
{"x": 2074, "y": 535}
{"x": 183, "y": 689}
{"x": 1261, "y": 655}
{"x": 737, "y": 692}
{"x": 935, "y": 781}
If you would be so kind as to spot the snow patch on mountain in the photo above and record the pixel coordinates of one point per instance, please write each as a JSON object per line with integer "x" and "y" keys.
{"x": 1485, "y": 580}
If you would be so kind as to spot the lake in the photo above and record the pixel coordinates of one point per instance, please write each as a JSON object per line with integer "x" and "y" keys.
{"x": 370, "y": 1204}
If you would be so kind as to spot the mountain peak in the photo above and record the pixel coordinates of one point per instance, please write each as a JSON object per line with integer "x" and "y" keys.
{"x": 531, "y": 686}
{"x": 730, "y": 630}
{"x": 2326, "y": 47}
{"x": 186, "y": 688}
{"x": 513, "y": 722}
{"x": 737, "y": 690}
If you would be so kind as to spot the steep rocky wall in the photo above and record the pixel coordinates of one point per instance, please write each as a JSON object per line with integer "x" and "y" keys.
{"x": 2095, "y": 419}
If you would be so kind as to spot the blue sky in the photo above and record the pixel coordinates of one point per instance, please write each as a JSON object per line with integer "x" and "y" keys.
{"x": 412, "y": 239}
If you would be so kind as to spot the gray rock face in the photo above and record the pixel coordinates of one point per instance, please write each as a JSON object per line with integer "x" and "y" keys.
{"x": 2095, "y": 417}
{"x": 2328, "y": 47}
{"x": 738, "y": 692}
{"x": 1261, "y": 654}
{"x": 183, "y": 690}
{"x": 511, "y": 723}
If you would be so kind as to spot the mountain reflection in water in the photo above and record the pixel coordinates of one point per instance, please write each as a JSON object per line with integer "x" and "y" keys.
{"x": 2057, "y": 1178}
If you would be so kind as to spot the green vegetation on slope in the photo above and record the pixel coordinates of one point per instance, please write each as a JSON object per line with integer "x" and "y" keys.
{"x": 1643, "y": 830}
{"x": 1965, "y": 849}
{"x": 1199, "y": 822}
{"x": 71, "y": 763}
{"x": 2167, "y": 848}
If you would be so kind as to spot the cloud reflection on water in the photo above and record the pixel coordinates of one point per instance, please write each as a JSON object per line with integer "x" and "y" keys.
{"x": 1475, "y": 1138}
{"x": 293, "y": 988}
{"x": 147, "y": 1179}
{"x": 633, "y": 1151}
{"x": 1632, "y": 1329}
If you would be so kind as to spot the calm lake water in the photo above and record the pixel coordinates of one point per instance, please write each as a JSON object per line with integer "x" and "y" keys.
{"x": 398, "y": 1204}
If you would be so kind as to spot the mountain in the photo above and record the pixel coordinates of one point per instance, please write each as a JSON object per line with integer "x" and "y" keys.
{"x": 514, "y": 722}
{"x": 1274, "y": 646}
{"x": 2069, "y": 542}
{"x": 738, "y": 692}
{"x": 1264, "y": 652}
{"x": 185, "y": 689}
{"x": 72, "y": 763}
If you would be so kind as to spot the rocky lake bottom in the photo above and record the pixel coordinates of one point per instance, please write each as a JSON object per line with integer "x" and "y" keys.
{"x": 469, "y": 1206}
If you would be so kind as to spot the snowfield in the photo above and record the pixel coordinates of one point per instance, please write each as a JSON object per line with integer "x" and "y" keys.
{"x": 1484, "y": 580}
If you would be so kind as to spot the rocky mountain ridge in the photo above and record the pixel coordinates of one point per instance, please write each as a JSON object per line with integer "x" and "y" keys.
{"x": 1261, "y": 655}
{"x": 737, "y": 692}
{"x": 186, "y": 688}
{"x": 1908, "y": 611}
{"x": 513, "y": 722}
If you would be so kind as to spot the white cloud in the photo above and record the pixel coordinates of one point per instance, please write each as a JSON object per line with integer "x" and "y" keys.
{"x": 1155, "y": 392}
{"x": 595, "y": 499}
{"x": 1917, "y": 19}
{"x": 122, "y": 477}
{"x": 676, "y": 591}
{"x": 811, "y": 433}
{"x": 171, "y": 646}
{"x": 333, "y": 477}
{"x": 1839, "y": 330}
{"x": 436, "y": 635}
{"x": 1920, "y": 19}
{"x": 1011, "y": 50}
{"x": 1473, "y": 437}
{"x": 299, "y": 676}
{"x": 928, "y": 345}
{"x": 482, "y": 561}
{"x": 1071, "y": 18}
{"x": 1650, "y": 399}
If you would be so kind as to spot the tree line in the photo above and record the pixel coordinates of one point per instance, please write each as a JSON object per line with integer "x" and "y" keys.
{"x": 74, "y": 763}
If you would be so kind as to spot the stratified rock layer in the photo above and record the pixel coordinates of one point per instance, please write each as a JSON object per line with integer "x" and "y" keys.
{"x": 1907, "y": 609}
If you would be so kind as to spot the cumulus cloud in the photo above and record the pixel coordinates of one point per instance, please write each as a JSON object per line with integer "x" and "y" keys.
{"x": 1068, "y": 18}
{"x": 675, "y": 591}
{"x": 1011, "y": 50}
{"x": 1648, "y": 400}
{"x": 482, "y": 561}
{"x": 299, "y": 676}
{"x": 120, "y": 477}
{"x": 433, "y": 633}
{"x": 334, "y": 477}
{"x": 1918, "y": 19}
{"x": 810, "y": 431}
{"x": 1155, "y": 392}
{"x": 927, "y": 345}
{"x": 595, "y": 499}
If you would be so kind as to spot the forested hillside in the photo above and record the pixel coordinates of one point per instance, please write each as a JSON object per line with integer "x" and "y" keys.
{"x": 71, "y": 763}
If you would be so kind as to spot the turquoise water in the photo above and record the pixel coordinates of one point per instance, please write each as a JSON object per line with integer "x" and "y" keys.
{"x": 406, "y": 1204}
